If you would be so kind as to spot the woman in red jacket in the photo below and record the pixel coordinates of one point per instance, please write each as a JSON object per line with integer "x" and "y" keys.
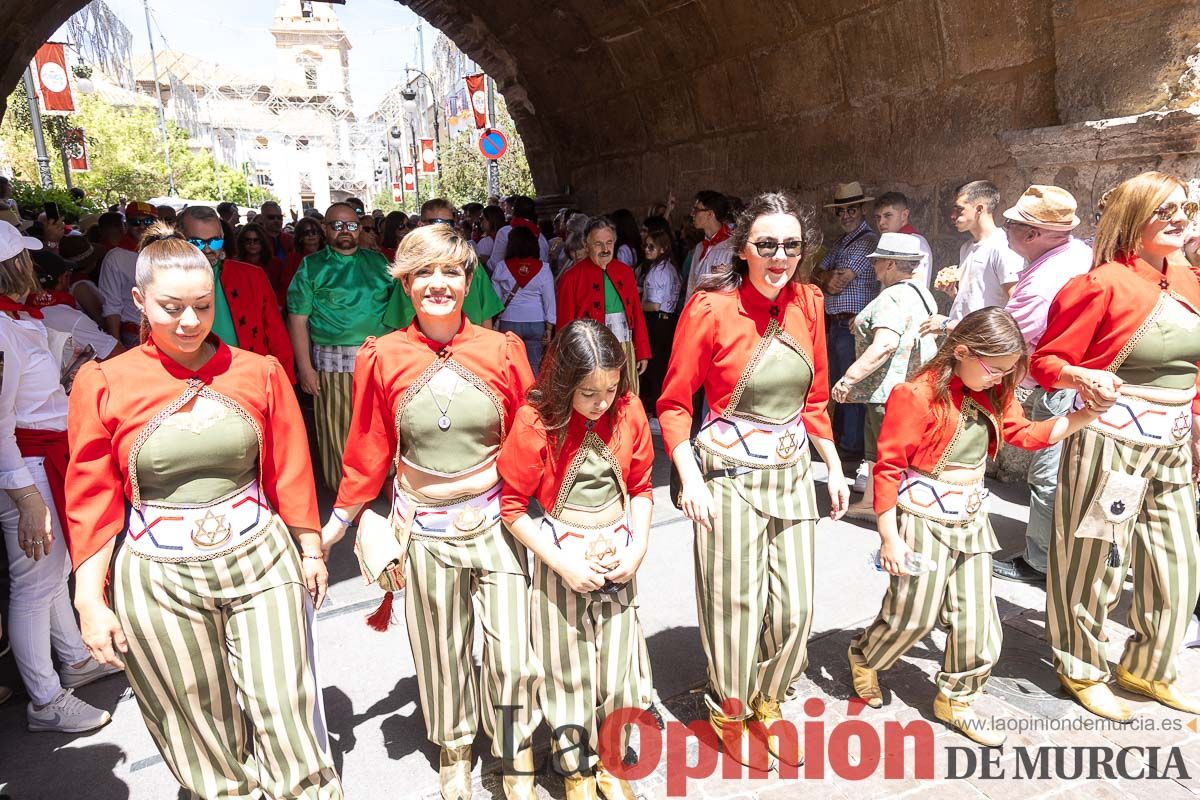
{"x": 754, "y": 338}
{"x": 1128, "y": 331}
{"x": 437, "y": 400}
{"x": 936, "y": 539}
{"x": 605, "y": 290}
{"x": 581, "y": 445}
{"x": 196, "y": 451}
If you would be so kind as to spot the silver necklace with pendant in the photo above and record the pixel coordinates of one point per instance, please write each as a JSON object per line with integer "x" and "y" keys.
{"x": 444, "y": 419}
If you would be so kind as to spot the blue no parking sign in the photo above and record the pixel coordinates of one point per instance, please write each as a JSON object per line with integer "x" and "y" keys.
{"x": 493, "y": 144}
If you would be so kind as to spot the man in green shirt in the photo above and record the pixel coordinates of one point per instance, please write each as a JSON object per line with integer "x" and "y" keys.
{"x": 335, "y": 301}
{"x": 481, "y": 303}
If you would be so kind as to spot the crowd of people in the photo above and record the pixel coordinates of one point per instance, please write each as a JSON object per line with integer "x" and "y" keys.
{"x": 152, "y": 439}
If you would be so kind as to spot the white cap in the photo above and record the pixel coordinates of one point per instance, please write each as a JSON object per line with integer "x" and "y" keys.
{"x": 898, "y": 246}
{"x": 12, "y": 242}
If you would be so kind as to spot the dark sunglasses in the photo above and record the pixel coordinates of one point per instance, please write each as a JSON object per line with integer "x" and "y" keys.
{"x": 251, "y": 240}
{"x": 769, "y": 247}
{"x": 141, "y": 221}
{"x": 271, "y": 216}
{"x": 437, "y": 221}
{"x": 339, "y": 226}
{"x": 214, "y": 244}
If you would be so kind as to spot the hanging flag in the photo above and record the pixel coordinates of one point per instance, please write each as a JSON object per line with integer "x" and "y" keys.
{"x": 477, "y": 92}
{"x": 410, "y": 178}
{"x": 397, "y": 193}
{"x": 54, "y": 87}
{"x": 75, "y": 145}
{"x": 428, "y": 153}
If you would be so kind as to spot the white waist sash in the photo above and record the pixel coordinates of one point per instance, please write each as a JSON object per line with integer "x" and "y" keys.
{"x": 452, "y": 520}
{"x": 198, "y": 532}
{"x": 1142, "y": 422}
{"x": 752, "y": 443}
{"x": 589, "y": 541}
{"x": 949, "y": 503}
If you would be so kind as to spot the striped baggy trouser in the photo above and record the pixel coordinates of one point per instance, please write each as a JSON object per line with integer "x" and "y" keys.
{"x": 1162, "y": 550}
{"x": 958, "y": 595}
{"x": 332, "y": 408}
{"x": 219, "y": 646}
{"x": 453, "y": 586}
{"x": 591, "y": 646}
{"x": 754, "y": 581}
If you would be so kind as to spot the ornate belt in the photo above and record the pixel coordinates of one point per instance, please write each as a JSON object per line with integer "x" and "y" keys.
{"x": 594, "y": 542}
{"x": 948, "y": 503}
{"x": 198, "y": 532}
{"x": 754, "y": 444}
{"x": 452, "y": 520}
{"x": 1142, "y": 422}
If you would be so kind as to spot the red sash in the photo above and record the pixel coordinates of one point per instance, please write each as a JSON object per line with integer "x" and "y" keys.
{"x": 523, "y": 270}
{"x": 51, "y": 446}
{"x": 527, "y": 224}
{"x": 51, "y": 298}
{"x": 717, "y": 238}
{"x": 14, "y": 308}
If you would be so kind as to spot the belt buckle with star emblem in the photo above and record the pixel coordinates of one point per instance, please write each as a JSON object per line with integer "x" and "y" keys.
{"x": 787, "y": 446}
{"x": 211, "y": 531}
{"x": 974, "y": 502}
{"x": 469, "y": 520}
{"x": 1181, "y": 427}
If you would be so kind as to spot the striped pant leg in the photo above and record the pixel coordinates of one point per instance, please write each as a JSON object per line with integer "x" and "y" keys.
{"x": 437, "y": 608}
{"x": 912, "y": 603}
{"x": 177, "y": 668}
{"x": 783, "y": 649}
{"x": 1165, "y": 556}
{"x": 975, "y": 635}
{"x": 731, "y": 594}
{"x": 511, "y": 673}
{"x": 623, "y": 679}
{"x": 272, "y": 654}
{"x": 332, "y": 408}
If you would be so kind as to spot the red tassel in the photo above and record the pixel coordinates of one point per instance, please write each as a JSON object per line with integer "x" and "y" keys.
{"x": 382, "y": 618}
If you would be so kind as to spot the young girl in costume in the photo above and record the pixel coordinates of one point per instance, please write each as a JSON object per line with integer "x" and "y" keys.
{"x": 581, "y": 446}
{"x": 938, "y": 431}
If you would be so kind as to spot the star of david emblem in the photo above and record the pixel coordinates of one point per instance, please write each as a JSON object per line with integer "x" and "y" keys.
{"x": 1180, "y": 428}
{"x": 211, "y": 531}
{"x": 974, "y": 502}
{"x": 469, "y": 519}
{"x": 787, "y": 446}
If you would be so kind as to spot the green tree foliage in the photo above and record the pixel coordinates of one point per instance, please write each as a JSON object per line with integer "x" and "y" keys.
{"x": 463, "y": 171}
{"x": 125, "y": 153}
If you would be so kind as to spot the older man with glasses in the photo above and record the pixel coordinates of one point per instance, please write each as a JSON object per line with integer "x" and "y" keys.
{"x": 122, "y": 319}
{"x": 270, "y": 216}
{"x": 335, "y": 301}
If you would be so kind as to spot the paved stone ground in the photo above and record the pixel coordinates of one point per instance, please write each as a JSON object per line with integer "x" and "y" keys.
{"x": 377, "y": 732}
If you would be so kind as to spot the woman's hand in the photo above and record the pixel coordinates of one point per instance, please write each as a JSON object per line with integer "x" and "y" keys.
{"x": 622, "y": 568}
{"x": 102, "y": 634}
{"x": 839, "y": 494}
{"x": 581, "y": 574}
{"x": 35, "y": 534}
{"x": 697, "y": 503}
{"x": 1098, "y": 388}
{"x": 893, "y": 556}
{"x": 316, "y": 578}
{"x": 642, "y": 364}
{"x": 331, "y": 534}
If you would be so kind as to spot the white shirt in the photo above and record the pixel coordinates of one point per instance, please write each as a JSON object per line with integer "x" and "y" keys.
{"x": 533, "y": 302}
{"x": 662, "y": 286}
{"x": 984, "y": 267}
{"x": 117, "y": 277}
{"x": 483, "y": 249}
{"x": 627, "y": 255}
{"x": 718, "y": 254}
{"x": 500, "y": 250}
{"x": 923, "y": 274}
{"x": 78, "y": 326}
{"x": 1039, "y": 284}
{"x": 30, "y": 393}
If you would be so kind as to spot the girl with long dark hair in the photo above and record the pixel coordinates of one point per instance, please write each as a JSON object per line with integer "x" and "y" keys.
{"x": 581, "y": 445}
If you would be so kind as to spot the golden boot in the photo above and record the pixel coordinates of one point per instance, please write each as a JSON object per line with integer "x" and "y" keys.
{"x": 454, "y": 772}
{"x": 612, "y": 787}
{"x": 767, "y": 712}
{"x": 738, "y": 744}
{"x": 865, "y": 680}
{"x": 1096, "y": 697}
{"x": 959, "y": 715}
{"x": 580, "y": 787}
{"x": 518, "y": 776}
{"x": 1169, "y": 694}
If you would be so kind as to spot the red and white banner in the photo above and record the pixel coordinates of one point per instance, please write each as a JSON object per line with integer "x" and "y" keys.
{"x": 428, "y": 153}
{"x": 410, "y": 178}
{"x": 477, "y": 94}
{"x": 50, "y": 63}
{"x": 397, "y": 193}
{"x": 75, "y": 145}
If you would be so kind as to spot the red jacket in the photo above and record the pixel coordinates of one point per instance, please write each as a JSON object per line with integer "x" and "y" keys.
{"x": 918, "y": 430}
{"x": 255, "y": 310}
{"x": 112, "y": 402}
{"x": 532, "y": 464}
{"x": 1096, "y": 314}
{"x": 581, "y": 294}
{"x": 383, "y": 372}
{"x": 715, "y": 339}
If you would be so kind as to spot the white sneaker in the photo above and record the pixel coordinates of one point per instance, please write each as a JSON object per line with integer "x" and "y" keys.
{"x": 66, "y": 714}
{"x": 91, "y": 671}
{"x": 861, "y": 478}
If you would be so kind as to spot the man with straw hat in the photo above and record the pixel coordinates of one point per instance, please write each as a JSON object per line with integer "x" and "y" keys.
{"x": 1039, "y": 230}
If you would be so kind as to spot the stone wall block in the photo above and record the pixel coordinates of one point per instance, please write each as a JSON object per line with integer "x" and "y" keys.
{"x": 602, "y": 17}
{"x": 894, "y": 49}
{"x": 749, "y": 24}
{"x": 724, "y": 95}
{"x": 954, "y": 131}
{"x": 667, "y": 112}
{"x": 617, "y": 125}
{"x": 682, "y": 38}
{"x": 798, "y": 76}
{"x": 635, "y": 57}
{"x": 984, "y": 35}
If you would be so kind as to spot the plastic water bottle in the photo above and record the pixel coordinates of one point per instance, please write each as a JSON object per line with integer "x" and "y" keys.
{"x": 914, "y": 563}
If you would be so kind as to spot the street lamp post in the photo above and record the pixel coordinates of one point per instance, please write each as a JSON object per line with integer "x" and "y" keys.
{"x": 39, "y": 138}
{"x": 410, "y": 102}
{"x": 437, "y": 131}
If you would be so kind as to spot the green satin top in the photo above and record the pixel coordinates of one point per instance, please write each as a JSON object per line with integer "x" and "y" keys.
{"x": 595, "y": 483}
{"x": 472, "y": 438}
{"x": 970, "y": 447}
{"x": 776, "y": 390}
{"x": 197, "y": 457}
{"x": 344, "y": 297}
{"x": 1166, "y": 354}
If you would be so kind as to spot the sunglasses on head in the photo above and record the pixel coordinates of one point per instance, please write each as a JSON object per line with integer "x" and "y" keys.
{"x": 767, "y": 248}
{"x": 437, "y": 221}
{"x": 213, "y": 245}
{"x": 339, "y": 226}
{"x": 1166, "y": 212}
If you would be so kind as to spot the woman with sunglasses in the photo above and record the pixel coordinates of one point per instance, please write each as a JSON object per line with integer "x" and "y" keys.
{"x": 307, "y": 239}
{"x": 754, "y": 338}
{"x": 1128, "y": 332}
{"x": 253, "y": 247}
{"x": 936, "y": 540}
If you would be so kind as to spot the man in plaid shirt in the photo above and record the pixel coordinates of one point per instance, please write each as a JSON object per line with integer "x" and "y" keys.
{"x": 848, "y": 280}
